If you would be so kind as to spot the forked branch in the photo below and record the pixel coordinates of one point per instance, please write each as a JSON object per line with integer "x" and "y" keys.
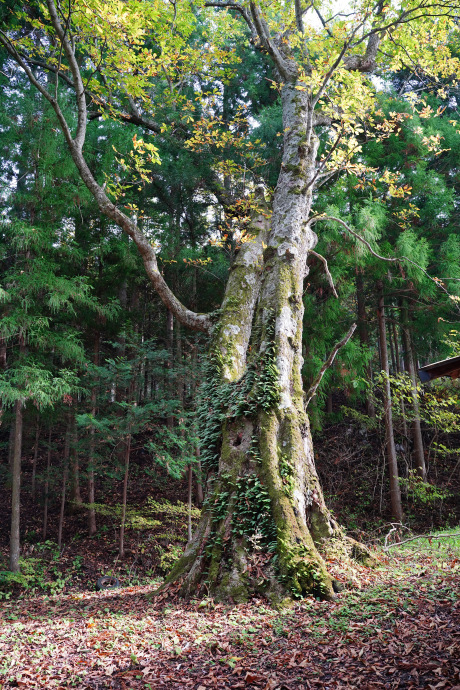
{"x": 329, "y": 361}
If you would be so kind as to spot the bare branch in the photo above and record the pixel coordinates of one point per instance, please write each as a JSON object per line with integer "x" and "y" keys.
{"x": 48, "y": 68}
{"x": 391, "y": 259}
{"x": 326, "y": 268}
{"x": 323, "y": 22}
{"x": 312, "y": 390}
{"x": 11, "y": 49}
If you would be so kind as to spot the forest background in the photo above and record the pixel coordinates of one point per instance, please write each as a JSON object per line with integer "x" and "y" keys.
{"x": 100, "y": 382}
{"x": 144, "y": 152}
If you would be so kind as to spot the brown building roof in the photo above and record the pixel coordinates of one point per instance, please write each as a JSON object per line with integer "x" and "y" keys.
{"x": 446, "y": 367}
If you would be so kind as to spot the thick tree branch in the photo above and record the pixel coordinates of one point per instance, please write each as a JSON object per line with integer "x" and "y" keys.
{"x": 313, "y": 388}
{"x": 188, "y": 318}
{"x": 61, "y": 32}
{"x": 298, "y": 17}
{"x": 287, "y": 68}
{"x": 238, "y": 8}
{"x": 320, "y": 118}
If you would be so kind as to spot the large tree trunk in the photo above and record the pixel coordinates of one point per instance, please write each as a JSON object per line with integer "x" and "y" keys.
{"x": 264, "y": 496}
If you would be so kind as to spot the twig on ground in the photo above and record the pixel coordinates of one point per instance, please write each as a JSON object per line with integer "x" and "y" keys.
{"x": 420, "y": 536}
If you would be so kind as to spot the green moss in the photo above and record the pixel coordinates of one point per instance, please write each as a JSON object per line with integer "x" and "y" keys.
{"x": 287, "y": 474}
{"x": 222, "y": 401}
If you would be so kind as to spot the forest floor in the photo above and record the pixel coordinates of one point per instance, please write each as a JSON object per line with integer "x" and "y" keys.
{"x": 394, "y": 626}
{"x": 397, "y": 627}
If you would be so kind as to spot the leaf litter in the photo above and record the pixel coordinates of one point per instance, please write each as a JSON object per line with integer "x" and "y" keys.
{"x": 399, "y": 627}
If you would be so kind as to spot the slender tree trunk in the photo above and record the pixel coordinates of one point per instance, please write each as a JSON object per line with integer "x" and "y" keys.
{"x": 199, "y": 478}
{"x": 170, "y": 347}
{"x": 419, "y": 453}
{"x": 11, "y": 445}
{"x": 396, "y": 346}
{"x": 189, "y": 502}
{"x": 15, "y": 545}
{"x": 194, "y": 388}
{"x": 180, "y": 395}
{"x": 256, "y": 445}
{"x": 363, "y": 333}
{"x": 34, "y": 465}
{"x": 92, "y": 459}
{"x": 46, "y": 487}
{"x": 392, "y": 350}
{"x": 75, "y": 494}
{"x": 3, "y": 357}
{"x": 395, "y": 491}
{"x": 65, "y": 471}
{"x": 124, "y": 499}
{"x": 398, "y": 370}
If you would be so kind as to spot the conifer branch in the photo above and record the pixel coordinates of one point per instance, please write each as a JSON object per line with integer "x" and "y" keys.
{"x": 329, "y": 361}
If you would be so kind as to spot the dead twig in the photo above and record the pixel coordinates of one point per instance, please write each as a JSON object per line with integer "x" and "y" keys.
{"x": 420, "y": 536}
{"x": 327, "y": 364}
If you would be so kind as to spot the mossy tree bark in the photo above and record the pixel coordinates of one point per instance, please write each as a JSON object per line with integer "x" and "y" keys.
{"x": 265, "y": 521}
{"x": 265, "y": 524}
